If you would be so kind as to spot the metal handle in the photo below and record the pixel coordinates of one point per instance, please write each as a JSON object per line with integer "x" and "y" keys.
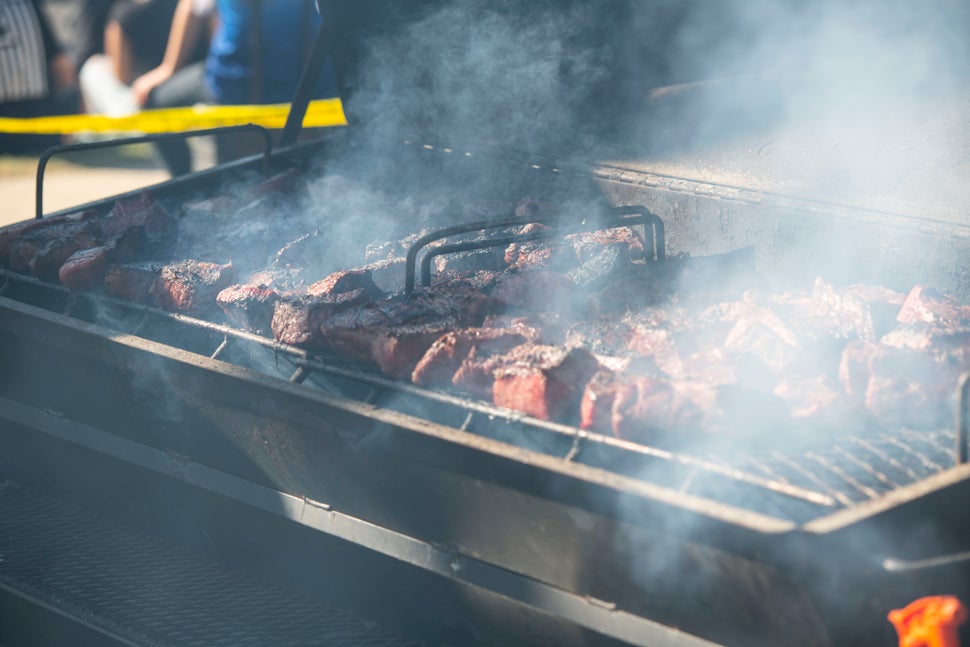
{"x": 67, "y": 148}
{"x": 620, "y": 217}
{"x": 963, "y": 418}
{"x": 894, "y": 565}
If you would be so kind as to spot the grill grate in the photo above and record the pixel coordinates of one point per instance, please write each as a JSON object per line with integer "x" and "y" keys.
{"x": 799, "y": 484}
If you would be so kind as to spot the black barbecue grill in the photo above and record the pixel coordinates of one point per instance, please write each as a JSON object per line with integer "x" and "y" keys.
{"x": 380, "y": 511}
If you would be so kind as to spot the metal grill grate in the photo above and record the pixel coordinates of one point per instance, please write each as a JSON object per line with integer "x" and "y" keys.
{"x": 150, "y": 592}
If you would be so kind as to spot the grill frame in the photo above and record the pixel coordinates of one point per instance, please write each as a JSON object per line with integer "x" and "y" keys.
{"x": 746, "y": 549}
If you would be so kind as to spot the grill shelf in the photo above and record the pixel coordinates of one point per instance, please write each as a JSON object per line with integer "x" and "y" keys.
{"x": 799, "y": 484}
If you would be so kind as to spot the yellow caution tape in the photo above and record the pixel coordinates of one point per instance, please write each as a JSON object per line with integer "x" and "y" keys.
{"x": 319, "y": 114}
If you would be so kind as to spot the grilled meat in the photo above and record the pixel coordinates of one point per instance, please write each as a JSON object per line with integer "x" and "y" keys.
{"x": 250, "y": 307}
{"x": 191, "y": 286}
{"x": 542, "y": 381}
{"x": 297, "y": 319}
{"x": 346, "y": 281}
{"x": 442, "y": 360}
{"x": 131, "y": 281}
{"x": 36, "y": 229}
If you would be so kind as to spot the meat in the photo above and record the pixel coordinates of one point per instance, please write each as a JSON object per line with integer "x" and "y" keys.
{"x": 297, "y": 319}
{"x": 191, "y": 286}
{"x": 38, "y": 227}
{"x": 542, "y": 381}
{"x": 250, "y": 307}
{"x": 538, "y": 291}
{"x": 857, "y": 312}
{"x": 141, "y": 211}
{"x": 442, "y": 360}
{"x": 346, "y": 281}
{"x": 41, "y": 252}
{"x": 396, "y": 350}
{"x": 131, "y": 281}
{"x": 85, "y": 269}
{"x": 927, "y": 306}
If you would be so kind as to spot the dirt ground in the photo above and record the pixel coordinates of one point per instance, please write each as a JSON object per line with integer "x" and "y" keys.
{"x": 67, "y": 183}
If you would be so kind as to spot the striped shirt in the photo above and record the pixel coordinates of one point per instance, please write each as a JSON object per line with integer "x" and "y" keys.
{"x": 23, "y": 61}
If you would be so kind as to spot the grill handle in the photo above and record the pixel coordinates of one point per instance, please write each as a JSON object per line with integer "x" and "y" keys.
{"x": 155, "y": 137}
{"x": 963, "y": 419}
{"x": 618, "y": 217}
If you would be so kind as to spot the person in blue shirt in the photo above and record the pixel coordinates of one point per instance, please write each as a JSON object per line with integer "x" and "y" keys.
{"x": 256, "y": 55}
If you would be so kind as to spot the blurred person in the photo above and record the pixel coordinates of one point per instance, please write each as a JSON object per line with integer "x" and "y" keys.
{"x": 119, "y": 41}
{"x": 255, "y": 56}
{"x": 36, "y": 76}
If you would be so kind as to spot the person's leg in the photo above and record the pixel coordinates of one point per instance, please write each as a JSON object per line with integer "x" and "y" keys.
{"x": 186, "y": 88}
{"x": 101, "y": 90}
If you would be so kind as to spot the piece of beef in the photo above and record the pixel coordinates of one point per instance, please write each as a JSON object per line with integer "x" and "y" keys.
{"x": 131, "y": 281}
{"x": 927, "y": 306}
{"x": 817, "y": 399}
{"x": 856, "y": 312}
{"x": 52, "y": 240}
{"x": 464, "y": 305}
{"x": 299, "y": 252}
{"x": 588, "y": 244}
{"x": 854, "y": 367}
{"x": 47, "y": 261}
{"x": 36, "y": 227}
{"x": 537, "y": 255}
{"x": 599, "y": 396}
{"x": 909, "y": 388}
{"x": 610, "y": 264}
{"x": 346, "y": 281}
{"x": 643, "y": 405}
{"x": 492, "y": 260}
{"x": 396, "y": 350}
{"x": 538, "y": 291}
{"x": 276, "y": 185}
{"x": 441, "y": 361}
{"x": 297, "y": 319}
{"x": 543, "y": 381}
{"x": 85, "y": 270}
{"x": 141, "y": 211}
{"x": 250, "y": 307}
{"x": 480, "y": 280}
{"x": 191, "y": 286}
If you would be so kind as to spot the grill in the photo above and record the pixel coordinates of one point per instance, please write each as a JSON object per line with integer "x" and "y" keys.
{"x": 320, "y": 476}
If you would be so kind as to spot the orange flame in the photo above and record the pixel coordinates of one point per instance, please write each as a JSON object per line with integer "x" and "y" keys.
{"x": 929, "y": 622}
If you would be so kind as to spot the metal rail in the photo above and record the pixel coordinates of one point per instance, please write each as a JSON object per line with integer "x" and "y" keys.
{"x": 157, "y": 137}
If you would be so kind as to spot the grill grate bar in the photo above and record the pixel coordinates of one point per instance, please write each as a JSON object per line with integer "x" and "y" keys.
{"x": 924, "y": 460}
{"x": 890, "y": 460}
{"x": 799, "y": 468}
{"x": 866, "y": 467}
{"x": 839, "y": 472}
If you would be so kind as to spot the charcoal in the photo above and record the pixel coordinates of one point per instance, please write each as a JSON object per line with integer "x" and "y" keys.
{"x": 346, "y": 281}
{"x": 543, "y": 381}
{"x": 442, "y": 360}
{"x": 131, "y": 281}
{"x": 250, "y": 307}
{"x": 297, "y": 320}
{"x": 85, "y": 270}
{"x": 191, "y": 286}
